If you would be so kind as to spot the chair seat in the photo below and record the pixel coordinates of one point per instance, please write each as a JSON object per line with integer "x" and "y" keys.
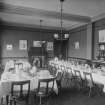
{"x": 17, "y": 93}
{"x": 18, "y": 98}
{"x": 93, "y": 87}
{"x": 43, "y": 93}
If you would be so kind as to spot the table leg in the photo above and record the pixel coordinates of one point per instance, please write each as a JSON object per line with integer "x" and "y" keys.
{"x": 7, "y": 97}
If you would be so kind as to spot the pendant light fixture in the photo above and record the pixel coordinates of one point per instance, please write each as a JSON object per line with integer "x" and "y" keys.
{"x": 61, "y": 36}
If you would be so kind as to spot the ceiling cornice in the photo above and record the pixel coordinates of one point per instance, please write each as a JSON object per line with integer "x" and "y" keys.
{"x": 99, "y": 17}
{"x": 31, "y": 27}
{"x": 75, "y": 26}
{"x": 13, "y": 9}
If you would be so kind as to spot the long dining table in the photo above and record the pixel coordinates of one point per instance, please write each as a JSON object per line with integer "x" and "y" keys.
{"x": 97, "y": 74}
{"x": 5, "y": 84}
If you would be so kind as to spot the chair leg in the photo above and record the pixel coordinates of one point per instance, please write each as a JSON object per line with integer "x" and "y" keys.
{"x": 90, "y": 89}
{"x": 10, "y": 102}
{"x": 40, "y": 100}
{"x": 27, "y": 102}
{"x": 1, "y": 101}
{"x": 47, "y": 100}
{"x": 14, "y": 102}
{"x": 7, "y": 99}
{"x": 59, "y": 85}
{"x": 67, "y": 81}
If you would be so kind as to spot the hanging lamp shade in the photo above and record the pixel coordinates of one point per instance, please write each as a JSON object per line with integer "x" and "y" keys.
{"x": 66, "y": 36}
{"x": 56, "y": 36}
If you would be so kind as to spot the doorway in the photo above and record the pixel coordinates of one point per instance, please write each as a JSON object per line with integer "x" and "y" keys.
{"x": 61, "y": 48}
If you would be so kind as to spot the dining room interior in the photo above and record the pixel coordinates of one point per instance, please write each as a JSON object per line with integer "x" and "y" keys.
{"x": 52, "y": 52}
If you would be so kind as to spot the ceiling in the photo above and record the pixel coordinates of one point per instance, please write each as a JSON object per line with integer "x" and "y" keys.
{"x": 30, "y": 12}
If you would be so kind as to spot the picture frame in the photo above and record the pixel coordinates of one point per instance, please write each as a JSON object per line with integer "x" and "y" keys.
{"x": 50, "y": 46}
{"x": 9, "y": 47}
{"x": 102, "y": 47}
{"x": 77, "y": 45}
{"x": 23, "y": 44}
{"x": 101, "y": 36}
{"x": 37, "y": 43}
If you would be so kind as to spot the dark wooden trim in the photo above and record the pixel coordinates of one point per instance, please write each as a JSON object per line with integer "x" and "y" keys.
{"x": 79, "y": 58}
{"x": 93, "y": 37}
{"x": 14, "y": 58}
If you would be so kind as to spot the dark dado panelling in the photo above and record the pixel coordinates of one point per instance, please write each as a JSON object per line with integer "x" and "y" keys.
{"x": 12, "y": 35}
{"x": 78, "y": 35}
{"x": 98, "y": 25}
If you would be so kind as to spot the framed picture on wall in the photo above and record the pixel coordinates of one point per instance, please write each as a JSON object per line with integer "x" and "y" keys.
{"x": 76, "y": 45}
{"x": 37, "y": 44}
{"x": 102, "y": 47}
{"x": 9, "y": 47}
{"x": 23, "y": 44}
{"x": 101, "y": 35}
{"x": 50, "y": 46}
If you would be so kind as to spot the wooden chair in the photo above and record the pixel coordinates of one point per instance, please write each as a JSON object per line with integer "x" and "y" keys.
{"x": 22, "y": 94}
{"x": 1, "y": 103}
{"x": 68, "y": 76}
{"x": 78, "y": 74}
{"x": 78, "y": 77}
{"x": 59, "y": 77}
{"x": 90, "y": 83}
{"x": 63, "y": 69}
{"x": 45, "y": 89}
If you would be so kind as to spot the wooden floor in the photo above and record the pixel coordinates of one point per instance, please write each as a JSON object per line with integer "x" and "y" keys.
{"x": 71, "y": 96}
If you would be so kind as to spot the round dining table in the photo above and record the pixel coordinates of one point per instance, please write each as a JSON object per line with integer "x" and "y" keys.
{"x": 6, "y": 81}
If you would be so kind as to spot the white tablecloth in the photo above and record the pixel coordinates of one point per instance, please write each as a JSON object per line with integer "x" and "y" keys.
{"x": 5, "y": 85}
{"x": 98, "y": 78}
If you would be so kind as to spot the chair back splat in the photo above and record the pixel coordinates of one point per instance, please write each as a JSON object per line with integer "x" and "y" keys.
{"x": 21, "y": 85}
{"x": 45, "y": 84}
{"x": 89, "y": 82}
{"x": 20, "y": 91}
{"x": 45, "y": 88}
